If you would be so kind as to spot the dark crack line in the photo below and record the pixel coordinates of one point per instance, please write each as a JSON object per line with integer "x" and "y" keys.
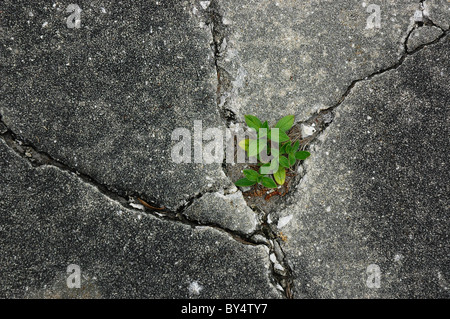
{"x": 331, "y": 110}
{"x": 348, "y": 91}
{"x": 38, "y": 159}
{"x": 418, "y": 24}
{"x": 286, "y": 281}
{"x": 218, "y": 31}
{"x": 426, "y": 20}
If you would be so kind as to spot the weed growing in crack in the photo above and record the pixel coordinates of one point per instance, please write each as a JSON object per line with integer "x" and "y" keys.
{"x": 274, "y": 151}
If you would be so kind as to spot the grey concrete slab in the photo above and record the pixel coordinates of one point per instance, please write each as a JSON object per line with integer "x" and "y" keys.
{"x": 298, "y": 57}
{"x": 438, "y": 11}
{"x": 50, "y": 219}
{"x": 229, "y": 211}
{"x": 98, "y": 104}
{"x": 376, "y": 189}
{"x": 105, "y": 98}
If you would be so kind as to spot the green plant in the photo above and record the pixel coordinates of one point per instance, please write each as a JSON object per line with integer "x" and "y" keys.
{"x": 275, "y": 143}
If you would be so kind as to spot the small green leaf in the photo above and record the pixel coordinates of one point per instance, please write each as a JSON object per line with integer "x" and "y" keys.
{"x": 280, "y": 176}
{"x": 292, "y": 158}
{"x": 244, "y": 182}
{"x": 268, "y": 182}
{"x": 282, "y": 137}
{"x": 251, "y": 175}
{"x": 253, "y": 122}
{"x": 288, "y": 148}
{"x": 285, "y": 123}
{"x": 244, "y": 144}
{"x": 262, "y": 132}
{"x": 302, "y": 155}
{"x": 255, "y": 147}
{"x": 295, "y": 146}
{"x": 284, "y": 162}
{"x": 283, "y": 148}
{"x": 265, "y": 125}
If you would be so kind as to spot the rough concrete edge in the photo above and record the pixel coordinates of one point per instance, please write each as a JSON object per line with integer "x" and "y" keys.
{"x": 263, "y": 235}
{"x": 40, "y": 160}
{"x": 320, "y": 135}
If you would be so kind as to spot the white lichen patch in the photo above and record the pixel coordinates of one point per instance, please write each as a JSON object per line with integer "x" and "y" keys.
{"x": 283, "y": 221}
{"x": 137, "y": 206}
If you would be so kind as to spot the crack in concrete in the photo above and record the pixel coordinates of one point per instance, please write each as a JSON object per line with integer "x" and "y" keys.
{"x": 427, "y": 21}
{"x": 331, "y": 109}
{"x": 219, "y": 30}
{"x": 405, "y": 54}
{"x": 38, "y": 158}
{"x": 402, "y": 59}
{"x": 280, "y": 269}
{"x": 219, "y": 46}
{"x": 264, "y": 234}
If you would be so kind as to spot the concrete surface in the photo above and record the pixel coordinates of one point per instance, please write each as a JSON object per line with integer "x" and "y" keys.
{"x": 105, "y": 98}
{"x": 51, "y": 219}
{"x": 422, "y": 36}
{"x": 376, "y": 190}
{"x": 228, "y": 211}
{"x": 87, "y": 178}
{"x": 290, "y": 57}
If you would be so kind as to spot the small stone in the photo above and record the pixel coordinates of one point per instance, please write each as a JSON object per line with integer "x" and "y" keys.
{"x": 273, "y": 258}
{"x": 278, "y": 252}
{"x": 229, "y": 211}
{"x": 279, "y": 269}
{"x": 137, "y": 206}
{"x": 205, "y": 4}
{"x": 283, "y": 221}
{"x": 307, "y": 130}
{"x": 418, "y": 16}
{"x": 260, "y": 239}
